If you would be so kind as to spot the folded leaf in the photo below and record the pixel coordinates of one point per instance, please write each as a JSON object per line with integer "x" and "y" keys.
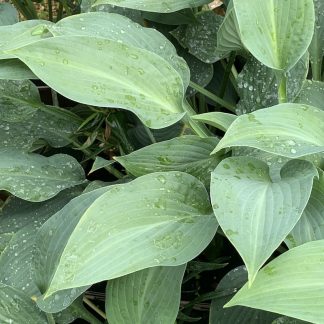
{"x": 255, "y": 213}
{"x": 278, "y": 288}
{"x": 267, "y": 35}
{"x": 310, "y": 227}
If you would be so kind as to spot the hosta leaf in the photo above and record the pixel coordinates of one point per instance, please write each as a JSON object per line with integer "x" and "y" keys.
{"x": 316, "y": 48}
{"x": 190, "y": 154}
{"x": 258, "y": 86}
{"x": 288, "y": 320}
{"x": 154, "y": 5}
{"x": 229, "y": 285}
{"x": 24, "y": 119}
{"x": 8, "y": 14}
{"x": 100, "y": 163}
{"x": 16, "y": 307}
{"x": 255, "y": 213}
{"x": 34, "y": 177}
{"x": 199, "y": 37}
{"x": 182, "y": 17}
{"x": 21, "y": 34}
{"x": 166, "y": 220}
{"x": 123, "y": 82}
{"x": 228, "y": 36}
{"x": 278, "y": 288}
{"x": 310, "y": 227}
{"x": 312, "y": 93}
{"x": 290, "y": 130}
{"x": 14, "y": 69}
{"x": 219, "y": 120}
{"x": 121, "y": 29}
{"x": 147, "y": 296}
{"x": 22, "y": 219}
{"x": 267, "y": 35}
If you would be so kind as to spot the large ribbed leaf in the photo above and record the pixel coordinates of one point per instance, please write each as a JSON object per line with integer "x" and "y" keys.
{"x": 190, "y": 154}
{"x": 311, "y": 225}
{"x": 121, "y": 29}
{"x": 276, "y": 32}
{"x": 14, "y": 69}
{"x": 255, "y": 213}
{"x": 292, "y": 285}
{"x": 199, "y": 37}
{"x": 21, "y": 34}
{"x": 312, "y": 93}
{"x": 147, "y": 296}
{"x": 228, "y": 286}
{"x": 34, "y": 177}
{"x": 8, "y": 14}
{"x": 21, "y": 221}
{"x": 228, "y": 36}
{"x": 154, "y": 5}
{"x": 291, "y": 130}
{"x": 24, "y": 119}
{"x": 258, "y": 85}
{"x": 16, "y": 307}
{"x": 217, "y": 119}
{"x": 132, "y": 78}
{"x": 165, "y": 220}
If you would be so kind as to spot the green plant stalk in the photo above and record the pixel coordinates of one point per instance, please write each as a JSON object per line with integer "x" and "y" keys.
{"x": 149, "y": 134}
{"x": 317, "y": 69}
{"x": 282, "y": 90}
{"x": 199, "y": 128}
{"x": 50, "y": 318}
{"x": 212, "y": 96}
{"x": 227, "y": 74}
{"x": 94, "y": 307}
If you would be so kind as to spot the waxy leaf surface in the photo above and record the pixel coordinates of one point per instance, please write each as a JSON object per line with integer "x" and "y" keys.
{"x": 165, "y": 219}
{"x": 277, "y": 288}
{"x": 276, "y": 32}
{"x": 147, "y": 296}
{"x": 255, "y": 213}
{"x": 290, "y": 130}
{"x": 154, "y": 5}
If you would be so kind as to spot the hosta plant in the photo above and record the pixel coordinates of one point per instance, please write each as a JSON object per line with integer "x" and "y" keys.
{"x": 171, "y": 172}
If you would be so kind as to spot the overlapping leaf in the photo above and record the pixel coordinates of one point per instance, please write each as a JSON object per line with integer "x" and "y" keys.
{"x": 34, "y": 177}
{"x": 104, "y": 239}
{"x": 278, "y": 288}
{"x": 8, "y": 14}
{"x": 13, "y": 69}
{"x": 311, "y": 224}
{"x": 154, "y": 5}
{"x": 123, "y": 82}
{"x": 312, "y": 93}
{"x": 255, "y": 213}
{"x": 219, "y": 120}
{"x": 17, "y": 307}
{"x": 147, "y": 296}
{"x": 199, "y": 37}
{"x": 228, "y": 286}
{"x": 190, "y": 154}
{"x": 258, "y": 85}
{"x": 290, "y": 130}
{"x": 267, "y": 35}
